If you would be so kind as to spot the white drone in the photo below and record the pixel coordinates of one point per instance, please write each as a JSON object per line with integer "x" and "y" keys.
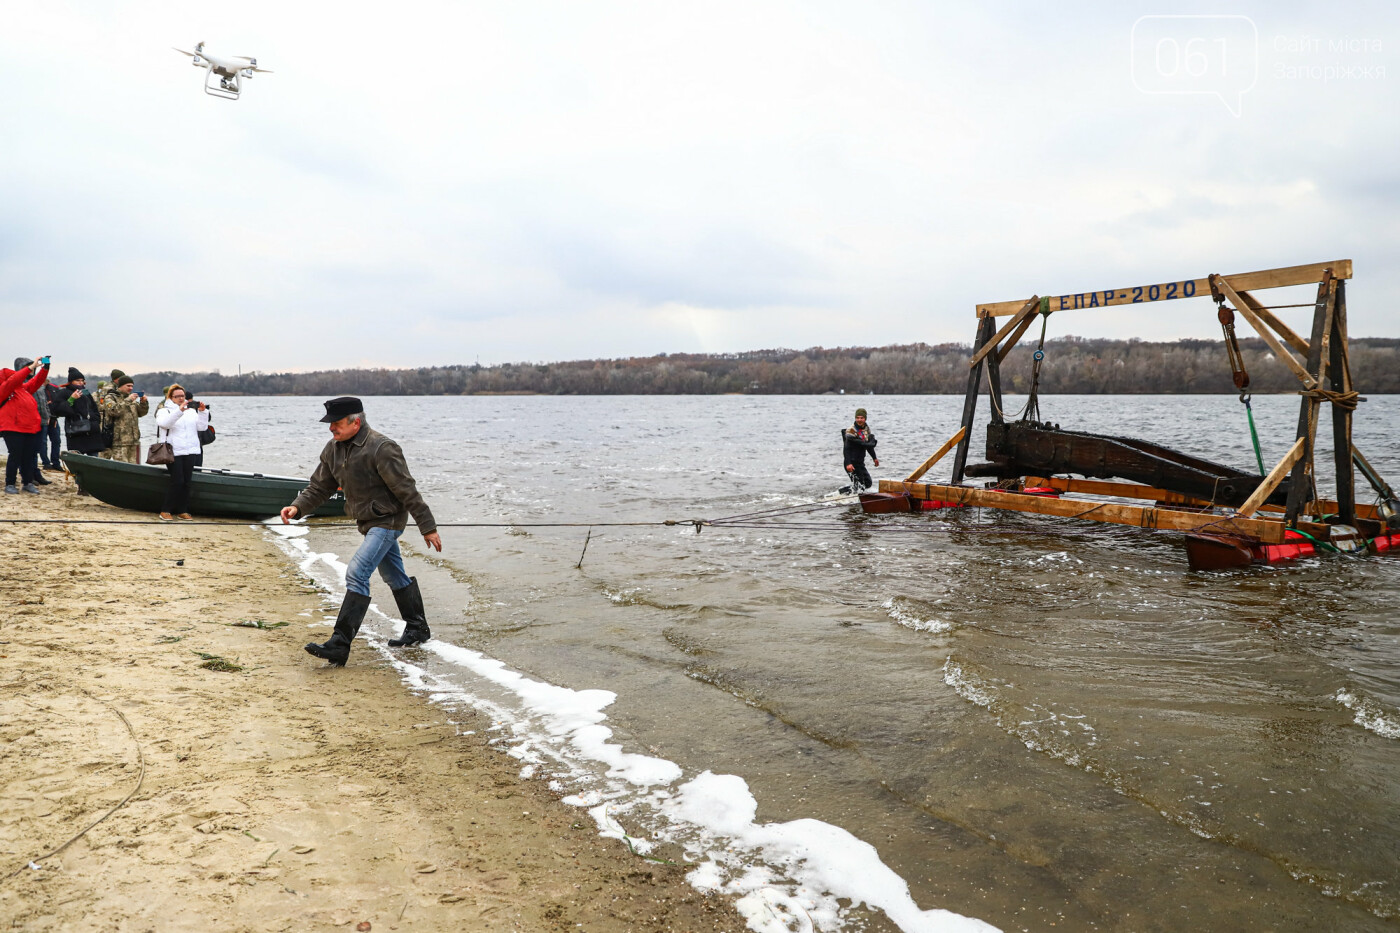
{"x": 230, "y": 69}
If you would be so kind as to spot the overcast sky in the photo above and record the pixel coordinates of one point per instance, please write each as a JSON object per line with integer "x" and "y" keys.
{"x": 432, "y": 183}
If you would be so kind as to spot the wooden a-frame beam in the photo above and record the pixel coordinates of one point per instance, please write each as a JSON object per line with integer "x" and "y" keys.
{"x": 1282, "y": 329}
{"x": 1021, "y": 317}
{"x": 928, "y": 464}
{"x": 1009, "y": 343}
{"x": 1270, "y": 483}
{"x": 1169, "y": 291}
{"x": 1266, "y": 332}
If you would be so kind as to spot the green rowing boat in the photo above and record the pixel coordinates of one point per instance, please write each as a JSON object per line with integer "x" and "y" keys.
{"x": 141, "y": 487}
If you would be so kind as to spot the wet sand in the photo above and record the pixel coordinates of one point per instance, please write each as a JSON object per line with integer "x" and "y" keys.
{"x": 281, "y": 795}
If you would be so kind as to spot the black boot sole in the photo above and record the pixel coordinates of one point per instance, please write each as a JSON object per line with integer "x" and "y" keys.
{"x": 319, "y": 651}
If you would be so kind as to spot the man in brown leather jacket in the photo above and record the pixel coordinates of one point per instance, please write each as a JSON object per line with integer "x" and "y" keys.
{"x": 380, "y": 494}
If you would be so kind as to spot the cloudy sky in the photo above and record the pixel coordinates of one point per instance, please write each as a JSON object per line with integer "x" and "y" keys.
{"x": 445, "y": 182}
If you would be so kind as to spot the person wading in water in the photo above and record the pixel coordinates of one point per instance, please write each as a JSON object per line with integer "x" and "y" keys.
{"x": 380, "y": 494}
{"x": 856, "y": 441}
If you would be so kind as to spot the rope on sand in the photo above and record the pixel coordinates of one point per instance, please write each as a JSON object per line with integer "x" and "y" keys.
{"x": 141, "y": 778}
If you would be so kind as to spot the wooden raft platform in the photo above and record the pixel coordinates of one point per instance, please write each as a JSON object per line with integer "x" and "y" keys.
{"x": 1231, "y": 517}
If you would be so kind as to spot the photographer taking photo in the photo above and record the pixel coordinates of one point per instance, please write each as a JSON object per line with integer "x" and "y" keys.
{"x": 20, "y": 422}
{"x": 82, "y": 421}
{"x": 182, "y": 420}
{"x": 206, "y": 434}
{"x": 123, "y": 408}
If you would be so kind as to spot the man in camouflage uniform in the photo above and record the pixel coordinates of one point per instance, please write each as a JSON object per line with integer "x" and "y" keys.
{"x": 123, "y": 410}
{"x": 105, "y": 407}
{"x": 107, "y": 388}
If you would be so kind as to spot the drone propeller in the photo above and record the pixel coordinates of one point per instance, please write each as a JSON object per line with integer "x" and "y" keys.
{"x": 183, "y": 52}
{"x": 252, "y": 65}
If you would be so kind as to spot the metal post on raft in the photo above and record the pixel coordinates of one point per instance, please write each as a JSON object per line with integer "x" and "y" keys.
{"x": 1301, "y": 481}
{"x": 1340, "y": 375}
{"x": 986, "y": 328}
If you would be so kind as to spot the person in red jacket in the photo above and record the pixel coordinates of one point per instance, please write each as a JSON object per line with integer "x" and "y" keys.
{"x": 19, "y": 421}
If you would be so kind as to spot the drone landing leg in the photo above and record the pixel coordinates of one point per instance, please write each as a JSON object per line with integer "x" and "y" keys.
{"x": 218, "y": 90}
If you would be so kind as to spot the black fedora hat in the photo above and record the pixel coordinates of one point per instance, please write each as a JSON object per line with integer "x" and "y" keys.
{"x": 342, "y": 407}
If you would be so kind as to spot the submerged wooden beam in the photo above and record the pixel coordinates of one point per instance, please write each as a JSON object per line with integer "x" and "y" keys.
{"x": 1276, "y": 475}
{"x": 1169, "y": 291}
{"x": 1267, "y": 531}
{"x": 928, "y": 464}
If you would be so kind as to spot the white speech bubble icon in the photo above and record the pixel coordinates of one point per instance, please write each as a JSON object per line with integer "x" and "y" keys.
{"x": 1187, "y": 54}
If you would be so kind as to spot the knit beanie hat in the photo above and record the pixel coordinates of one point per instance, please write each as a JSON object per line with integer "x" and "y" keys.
{"x": 860, "y": 413}
{"x": 124, "y": 381}
{"x": 75, "y": 373}
{"x": 22, "y": 361}
{"x": 117, "y": 374}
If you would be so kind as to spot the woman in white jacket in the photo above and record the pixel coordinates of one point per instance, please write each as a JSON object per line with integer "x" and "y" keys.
{"x": 181, "y": 421}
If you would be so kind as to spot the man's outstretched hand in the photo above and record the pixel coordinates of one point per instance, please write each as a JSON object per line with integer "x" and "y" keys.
{"x": 289, "y": 513}
{"x": 433, "y": 540}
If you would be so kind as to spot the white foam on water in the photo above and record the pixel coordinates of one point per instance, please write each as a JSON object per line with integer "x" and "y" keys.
{"x": 966, "y": 685}
{"x": 1370, "y": 715}
{"x": 784, "y": 876}
{"x": 903, "y": 616}
{"x": 824, "y": 863}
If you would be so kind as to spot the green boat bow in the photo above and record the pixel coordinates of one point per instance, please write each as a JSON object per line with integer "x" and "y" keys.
{"x": 141, "y": 487}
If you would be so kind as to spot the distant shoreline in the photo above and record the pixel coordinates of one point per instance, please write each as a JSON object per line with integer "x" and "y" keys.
{"x": 1071, "y": 366}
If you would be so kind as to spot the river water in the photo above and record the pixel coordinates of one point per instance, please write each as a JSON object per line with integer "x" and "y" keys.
{"x": 1031, "y": 721}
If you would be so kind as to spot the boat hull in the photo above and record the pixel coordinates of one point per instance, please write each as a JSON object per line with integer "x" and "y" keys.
{"x": 215, "y": 493}
{"x": 880, "y": 503}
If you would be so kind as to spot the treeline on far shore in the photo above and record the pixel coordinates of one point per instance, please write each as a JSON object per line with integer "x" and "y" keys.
{"x": 1072, "y": 365}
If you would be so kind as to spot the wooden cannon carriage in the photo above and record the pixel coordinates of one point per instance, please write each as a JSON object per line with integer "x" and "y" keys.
{"x": 1231, "y": 517}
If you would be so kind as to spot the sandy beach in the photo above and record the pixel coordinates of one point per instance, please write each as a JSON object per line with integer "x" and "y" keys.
{"x": 256, "y": 788}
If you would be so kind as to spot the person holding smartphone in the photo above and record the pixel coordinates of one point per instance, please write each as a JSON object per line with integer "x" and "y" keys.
{"x": 19, "y": 422}
{"x": 82, "y": 421}
{"x": 181, "y": 420}
{"x": 123, "y": 408}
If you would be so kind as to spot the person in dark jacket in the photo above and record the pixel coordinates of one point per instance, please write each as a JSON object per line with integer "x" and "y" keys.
{"x": 51, "y": 439}
{"x": 380, "y": 494}
{"x": 19, "y": 422}
{"x": 857, "y": 440}
{"x": 41, "y": 399}
{"x": 82, "y": 421}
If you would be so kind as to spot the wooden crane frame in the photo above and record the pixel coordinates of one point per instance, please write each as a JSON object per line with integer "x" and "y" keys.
{"x": 1323, "y": 360}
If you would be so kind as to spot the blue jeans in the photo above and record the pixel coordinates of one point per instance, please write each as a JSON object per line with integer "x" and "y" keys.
{"x": 380, "y": 549}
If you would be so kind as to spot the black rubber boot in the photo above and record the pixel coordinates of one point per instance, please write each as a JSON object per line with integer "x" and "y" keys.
{"x": 347, "y": 626}
{"x": 415, "y": 620}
